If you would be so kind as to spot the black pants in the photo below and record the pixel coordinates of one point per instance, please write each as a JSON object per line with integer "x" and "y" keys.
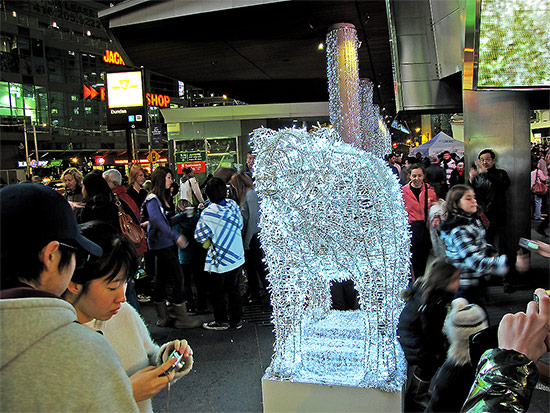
{"x": 194, "y": 275}
{"x": 222, "y": 285}
{"x": 420, "y": 247}
{"x": 255, "y": 267}
{"x": 145, "y": 285}
{"x": 168, "y": 276}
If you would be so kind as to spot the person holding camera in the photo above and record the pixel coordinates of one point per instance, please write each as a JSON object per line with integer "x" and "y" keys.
{"x": 97, "y": 292}
{"x": 49, "y": 362}
{"x": 506, "y": 376}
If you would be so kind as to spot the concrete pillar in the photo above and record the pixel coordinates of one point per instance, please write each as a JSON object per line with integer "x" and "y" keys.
{"x": 343, "y": 82}
{"x": 500, "y": 120}
{"x": 426, "y": 122}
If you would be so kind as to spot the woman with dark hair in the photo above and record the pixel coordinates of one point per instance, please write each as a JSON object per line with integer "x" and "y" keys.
{"x": 220, "y": 228}
{"x": 100, "y": 202}
{"x": 101, "y": 206}
{"x": 420, "y": 329}
{"x": 250, "y": 209}
{"x": 418, "y": 197}
{"x": 163, "y": 242}
{"x": 97, "y": 293}
{"x": 464, "y": 236}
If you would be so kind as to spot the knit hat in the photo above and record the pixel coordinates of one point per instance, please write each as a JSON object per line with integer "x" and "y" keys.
{"x": 463, "y": 320}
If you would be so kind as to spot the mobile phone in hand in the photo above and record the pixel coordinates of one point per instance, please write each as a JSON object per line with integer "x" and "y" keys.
{"x": 529, "y": 244}
{"x": 177, "y": 365}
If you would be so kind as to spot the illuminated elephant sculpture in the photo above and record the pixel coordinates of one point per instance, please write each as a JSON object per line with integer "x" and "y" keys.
{"x": 330, "y": 211}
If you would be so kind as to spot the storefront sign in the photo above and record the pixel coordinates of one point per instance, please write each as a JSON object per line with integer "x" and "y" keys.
{"x": 140, "y": 161}
{"x": 23, "y": 164}
{"x": 197, "y": 167}
{"x": 195, "y": 156}
{"x": 161, "y": 101}
{"x": 113, "y": 57}
{"x": 90, "y": 92}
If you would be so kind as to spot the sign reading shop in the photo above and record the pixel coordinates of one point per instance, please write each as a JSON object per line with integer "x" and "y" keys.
{"x": 125, "y": 101}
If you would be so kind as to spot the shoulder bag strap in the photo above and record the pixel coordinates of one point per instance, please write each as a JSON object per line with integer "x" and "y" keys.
{"x": 426, "y": 203}
{"x": 119, "y": 205}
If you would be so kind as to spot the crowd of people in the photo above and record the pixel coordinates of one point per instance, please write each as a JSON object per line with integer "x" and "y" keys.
{"x": 69, "y": 266}
{"x": 457, "y": 221}
{"x": 196, "y": 238}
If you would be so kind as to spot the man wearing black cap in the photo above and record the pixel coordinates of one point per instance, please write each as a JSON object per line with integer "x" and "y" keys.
{"x": 49, "y": 362}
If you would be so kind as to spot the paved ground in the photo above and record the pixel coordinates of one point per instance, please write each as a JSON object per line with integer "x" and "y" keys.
{"x": 229, "y": 365}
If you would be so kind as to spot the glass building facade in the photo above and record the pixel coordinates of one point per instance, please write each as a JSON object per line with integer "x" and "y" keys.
{"x": 52, "y": 85}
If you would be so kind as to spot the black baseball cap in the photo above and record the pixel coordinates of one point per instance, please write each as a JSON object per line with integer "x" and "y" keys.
{"x": 34, "y": 214}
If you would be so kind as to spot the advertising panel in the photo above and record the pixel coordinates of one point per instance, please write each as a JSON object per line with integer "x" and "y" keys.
{"x": 125, "y": 101}
{"x": 157, "y": 135}
{"x": 197, "y": 167}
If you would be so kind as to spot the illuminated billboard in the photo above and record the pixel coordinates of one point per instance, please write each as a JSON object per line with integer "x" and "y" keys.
{"x": 125, "y": 101}
{"x": 510, "y": 44}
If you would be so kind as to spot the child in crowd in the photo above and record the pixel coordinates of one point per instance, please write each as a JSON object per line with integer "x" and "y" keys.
{"x": 420, "y": 329}
{"x": 221, "y": 224}
{"x": 97, "y": 292}
{"x": 191, "y": 259}
{"x": 466, "y": 247}
{"x": 454, "y": 379}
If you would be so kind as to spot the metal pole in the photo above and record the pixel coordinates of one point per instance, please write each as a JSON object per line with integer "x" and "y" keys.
{"x": 35, "y": 141}
{"x": 149, "y": 140}
{"x": 134, "y": 144}
{"x": 27, "y": 160}
{"x": 129, "y": 145}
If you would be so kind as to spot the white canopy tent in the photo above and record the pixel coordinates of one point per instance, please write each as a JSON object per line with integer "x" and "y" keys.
{"x": 439, "y": 143}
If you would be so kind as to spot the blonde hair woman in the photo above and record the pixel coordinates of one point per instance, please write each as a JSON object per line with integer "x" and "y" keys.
{"x": 135, "y": 189}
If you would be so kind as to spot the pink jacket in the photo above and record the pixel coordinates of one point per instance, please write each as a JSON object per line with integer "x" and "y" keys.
{"x": 415, "y": 207}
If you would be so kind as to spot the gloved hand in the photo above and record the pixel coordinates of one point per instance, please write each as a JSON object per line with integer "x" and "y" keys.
{"x": 183, "y": 348}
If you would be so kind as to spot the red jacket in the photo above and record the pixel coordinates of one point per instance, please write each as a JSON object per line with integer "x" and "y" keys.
{"x": 123, "y": 195}
{"x": 415, "y": 207}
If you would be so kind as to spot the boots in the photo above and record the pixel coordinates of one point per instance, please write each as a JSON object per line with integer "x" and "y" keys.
{"x": 182, "y": 318}
{"x": 164, "y": 319}
{"x": 417, "y": 396}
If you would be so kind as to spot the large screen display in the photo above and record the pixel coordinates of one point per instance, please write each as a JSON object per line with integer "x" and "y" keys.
{"x": 125, "y": 101}
{"x": 514, "y": 44}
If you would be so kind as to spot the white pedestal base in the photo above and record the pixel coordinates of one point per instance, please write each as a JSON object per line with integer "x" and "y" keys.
{"x": 282, "y": 396}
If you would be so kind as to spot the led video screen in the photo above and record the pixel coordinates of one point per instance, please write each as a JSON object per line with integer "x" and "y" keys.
{"x": 514, "y": 44}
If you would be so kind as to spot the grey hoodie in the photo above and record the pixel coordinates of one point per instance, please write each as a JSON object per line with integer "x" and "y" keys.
{"x": 48, "y": 362}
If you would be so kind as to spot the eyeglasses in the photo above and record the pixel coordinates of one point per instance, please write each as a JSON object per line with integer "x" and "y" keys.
{"x": 81, "y": 258}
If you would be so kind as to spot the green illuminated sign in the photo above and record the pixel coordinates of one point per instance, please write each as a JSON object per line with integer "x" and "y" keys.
{"x": 197, "y": 156}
